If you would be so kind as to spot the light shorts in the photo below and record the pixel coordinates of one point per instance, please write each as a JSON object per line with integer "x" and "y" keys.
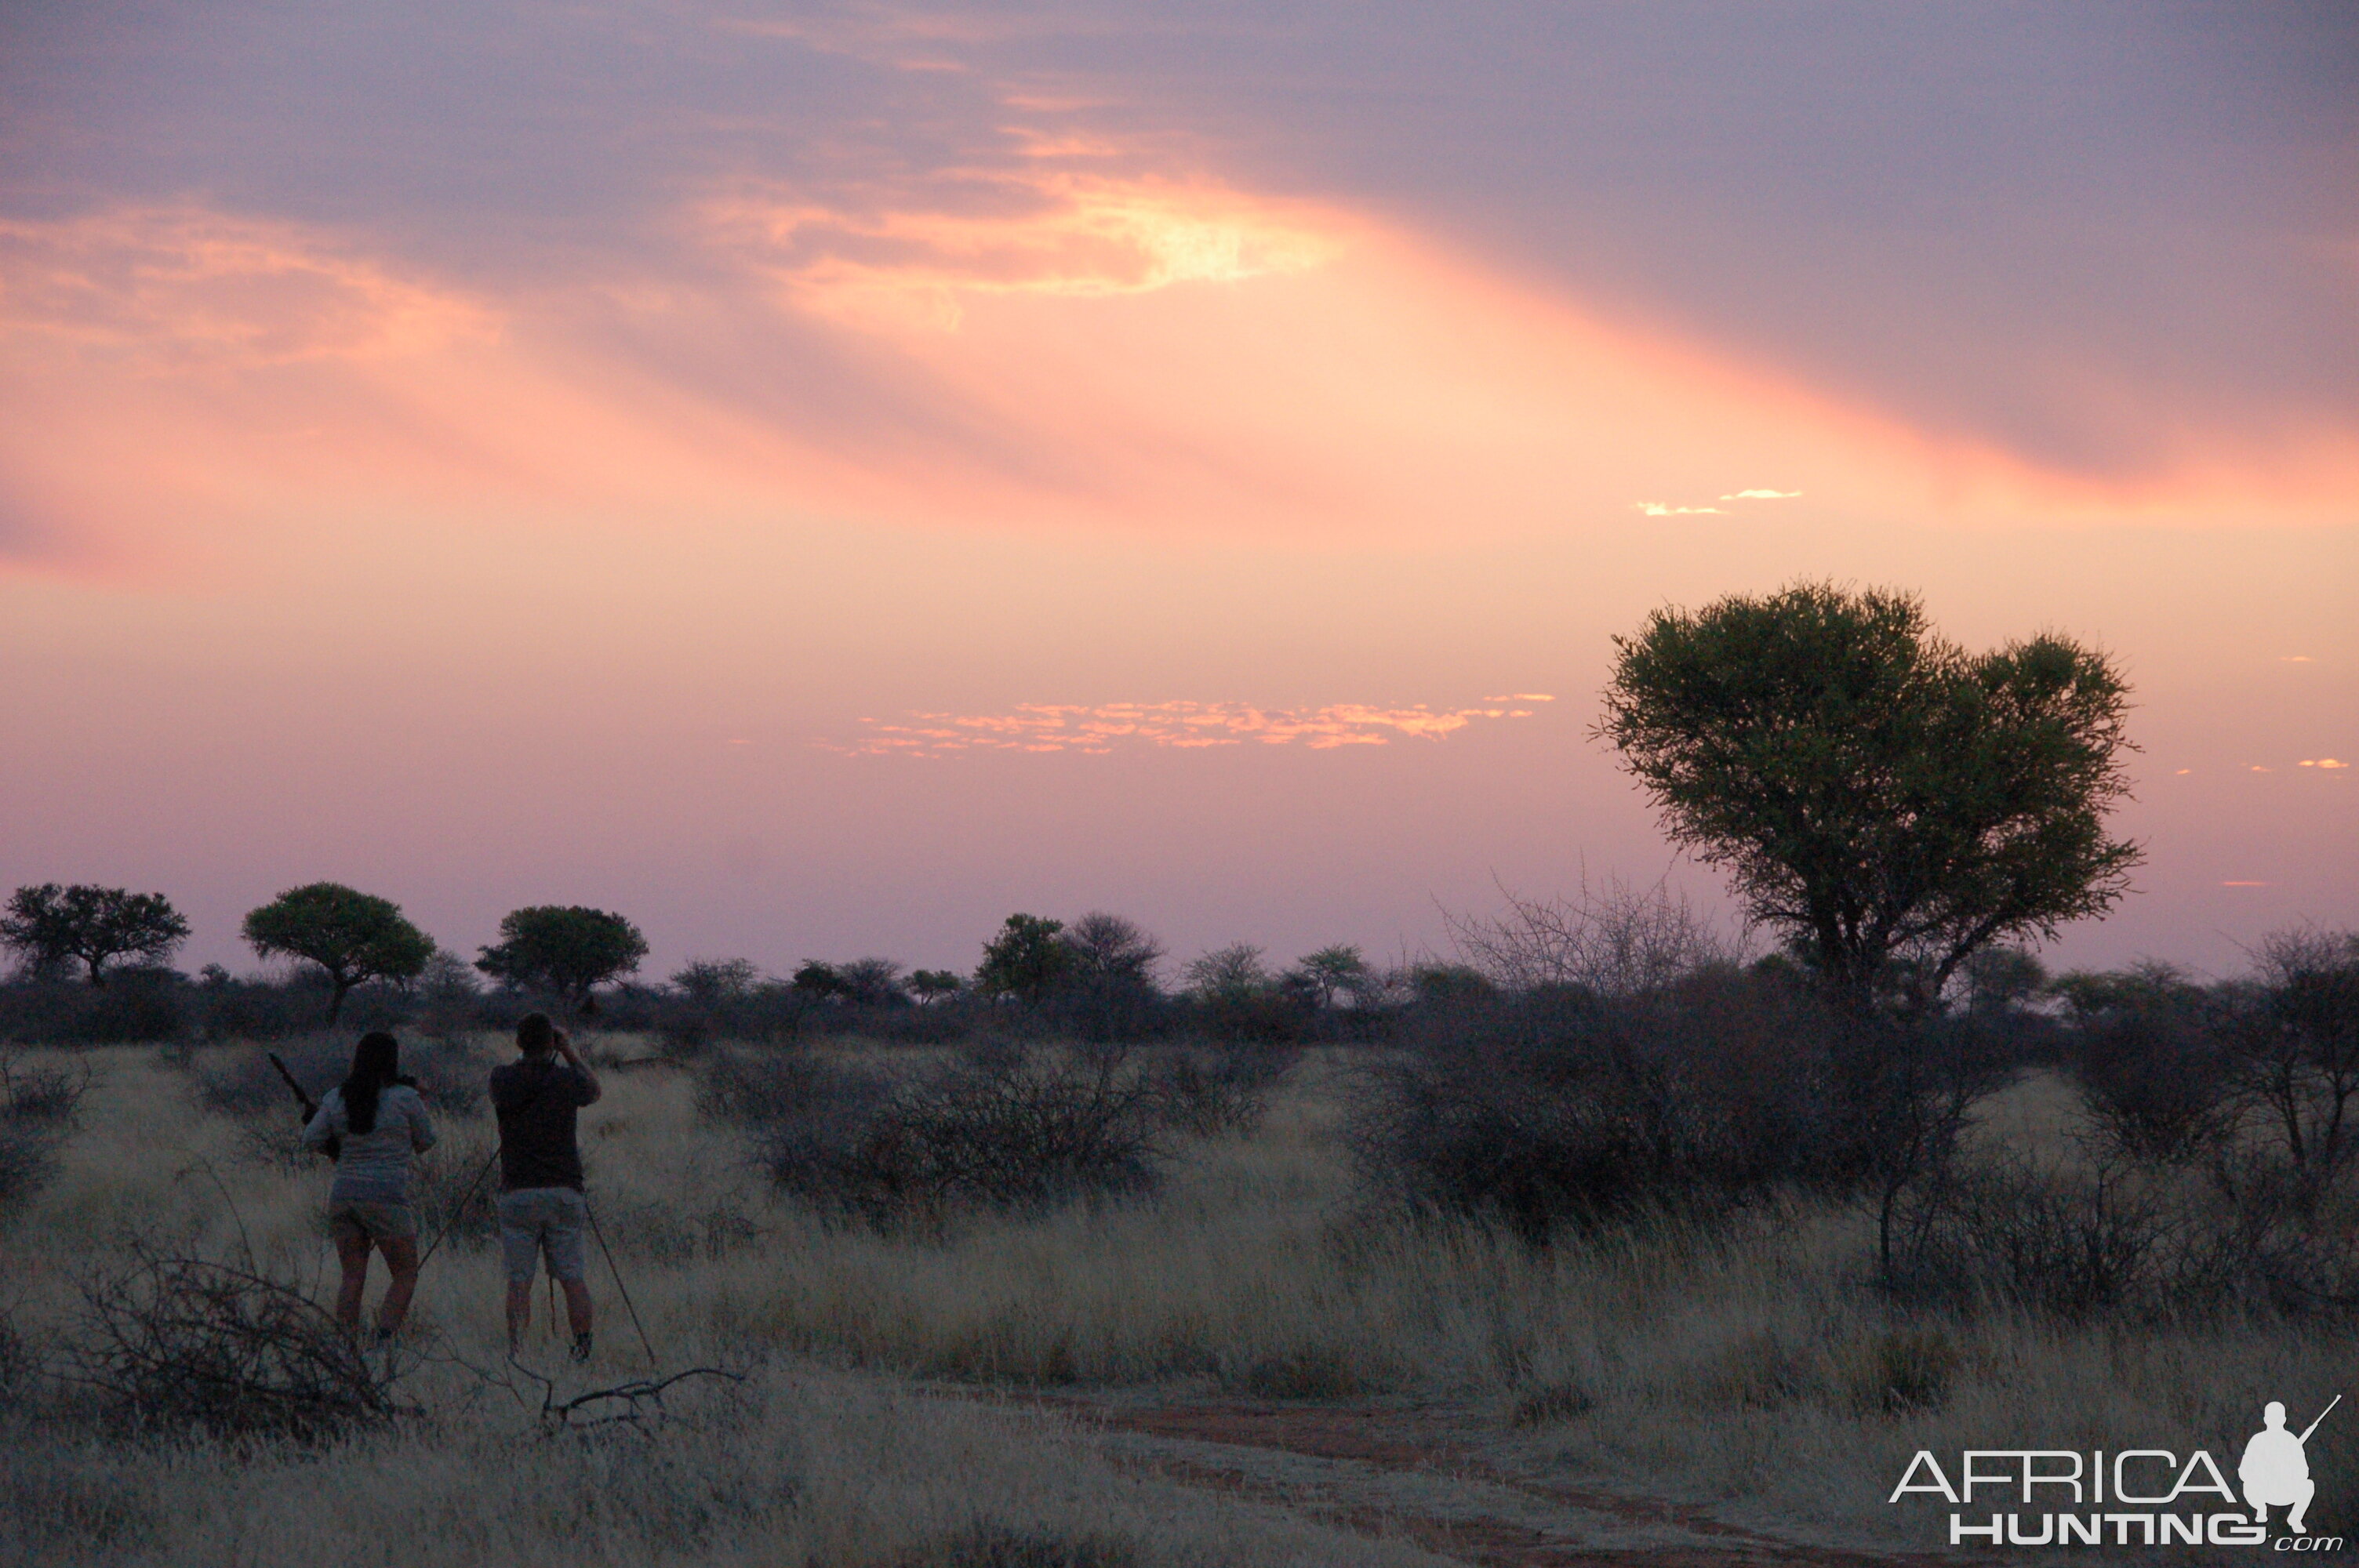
{"x": 350, "y": 1218}
{"x": 536, "y": 1222}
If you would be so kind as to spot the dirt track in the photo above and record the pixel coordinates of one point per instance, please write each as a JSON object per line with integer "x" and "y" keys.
{"x": 1415, "y": 1475}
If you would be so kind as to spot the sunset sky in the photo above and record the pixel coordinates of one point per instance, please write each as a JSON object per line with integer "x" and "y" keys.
{"x": 816, "y": 479}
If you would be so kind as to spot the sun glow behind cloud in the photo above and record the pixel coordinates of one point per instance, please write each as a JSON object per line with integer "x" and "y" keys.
{"x": 1183, "y": 726}
{"x": 1051, "y": 344}
{"x": 1021, "y": 232}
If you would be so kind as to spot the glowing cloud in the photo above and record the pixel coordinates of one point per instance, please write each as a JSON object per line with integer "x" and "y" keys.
{"x": 181, "y": 287}
{"x": 906, "y": 256}
{"x": 1763, "y": 495}
{"x": 1052, "y": 726}
{"x": 2324, "y": 762}
{"x": 1082, "y": 339}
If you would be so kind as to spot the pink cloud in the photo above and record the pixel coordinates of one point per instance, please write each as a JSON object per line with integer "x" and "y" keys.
{"x": 1135, "y": 350}
{"x": 1097, "y": 731}
{"x": 180, "y": 287}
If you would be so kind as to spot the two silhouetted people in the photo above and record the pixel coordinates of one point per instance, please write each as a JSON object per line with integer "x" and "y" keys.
{"x": 374, "y": 1124}
{"x": 541, "y": 1206}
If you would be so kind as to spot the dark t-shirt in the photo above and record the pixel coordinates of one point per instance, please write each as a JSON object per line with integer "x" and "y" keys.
{"x": 536, "y": 1101}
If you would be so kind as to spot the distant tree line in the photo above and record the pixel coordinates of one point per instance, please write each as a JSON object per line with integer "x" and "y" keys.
{"x": 117, "y": 946}
{"x": 92, "y": 964}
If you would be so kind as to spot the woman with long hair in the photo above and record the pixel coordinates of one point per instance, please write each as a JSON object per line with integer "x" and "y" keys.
{"x": 378, "y": 1123}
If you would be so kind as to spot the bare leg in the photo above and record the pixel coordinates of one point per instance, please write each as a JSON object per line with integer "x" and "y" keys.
{"x": 352, "y": 1256}
{"x": 401, "y": 1257}
{"x": 519, "y": 1310}
{"x": 577, "y": 1307}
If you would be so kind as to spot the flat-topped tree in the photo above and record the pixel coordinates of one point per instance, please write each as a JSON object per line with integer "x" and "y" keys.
{"x": 564, "y": 948}
{"x": 1875, "y": 792}
{"x": 1340, "y": 970}
{"x": 50, "y": 925}
{"x": 932, "y": 985}
{"x": 353, "y": 937}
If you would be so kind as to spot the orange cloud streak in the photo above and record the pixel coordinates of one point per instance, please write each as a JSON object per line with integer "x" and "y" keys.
{"x": 1052, "y": 727}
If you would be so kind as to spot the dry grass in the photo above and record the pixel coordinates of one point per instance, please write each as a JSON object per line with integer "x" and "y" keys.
{"x": 809, "y": 1469}
{"x": 1749, "y": 1367}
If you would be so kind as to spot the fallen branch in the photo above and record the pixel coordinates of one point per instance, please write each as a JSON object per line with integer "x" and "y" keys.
{"x": 638, "y": 1403}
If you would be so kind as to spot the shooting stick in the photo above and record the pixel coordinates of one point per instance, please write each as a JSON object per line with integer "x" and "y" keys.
{"x": 623, "y": 1290}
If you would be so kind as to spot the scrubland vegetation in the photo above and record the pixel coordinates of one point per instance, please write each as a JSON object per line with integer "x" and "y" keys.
{"x": 1679, "y": 1229}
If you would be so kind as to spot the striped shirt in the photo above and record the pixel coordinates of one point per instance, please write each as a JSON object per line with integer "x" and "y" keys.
{"x": 373, "y": 1166}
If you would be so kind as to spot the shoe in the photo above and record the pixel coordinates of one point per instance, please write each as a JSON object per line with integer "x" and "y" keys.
{"x": 581, "y": 1351}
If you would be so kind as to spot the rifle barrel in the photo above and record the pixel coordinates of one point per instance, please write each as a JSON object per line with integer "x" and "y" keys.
{"x": 301, "y": 1098}
{"x": 2322, "y": 1416}
{"x": 334, "y": 1147}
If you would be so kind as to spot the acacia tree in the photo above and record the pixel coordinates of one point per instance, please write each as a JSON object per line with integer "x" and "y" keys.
{"x": 1026, "y": 960}
{"x": 2299, "y": 1050}
{"x": 711, "y": 982}
{"x": 932, "y": 985}
{"x": 354, "y": 936}
{"x": 565, "y": 948}
{"x": 1228, "y": 974}
{"x": 1110, "y": 950}
{"x": 818, "y": 980}
{"x": 862, "y": 981}
{"x": 1331, "y": 972}
{"x": 1874, "y": 791}
{"x": 50, "y": 925}
{"x": 1110, "y": 993}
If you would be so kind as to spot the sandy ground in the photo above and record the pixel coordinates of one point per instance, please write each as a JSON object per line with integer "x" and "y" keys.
{"x": 1429, "y": 1474}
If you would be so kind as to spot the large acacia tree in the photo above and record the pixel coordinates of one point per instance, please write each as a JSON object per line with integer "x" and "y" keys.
{"x": 1877, "y": 793}
{"x": 565, "y": 949}
{"x": 51, "y": 926}
{"x": 353, "y": 937}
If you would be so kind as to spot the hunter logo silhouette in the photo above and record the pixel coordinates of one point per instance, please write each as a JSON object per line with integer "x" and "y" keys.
{"x": 2276, "y": 1471}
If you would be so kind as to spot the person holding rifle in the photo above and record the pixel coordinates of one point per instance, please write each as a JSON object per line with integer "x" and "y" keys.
{"x": 543, "y": 1209}
{"x": 372, "y": 1124}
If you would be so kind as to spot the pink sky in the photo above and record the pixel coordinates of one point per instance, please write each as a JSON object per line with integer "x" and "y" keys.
{"x": 858, "y": 474}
